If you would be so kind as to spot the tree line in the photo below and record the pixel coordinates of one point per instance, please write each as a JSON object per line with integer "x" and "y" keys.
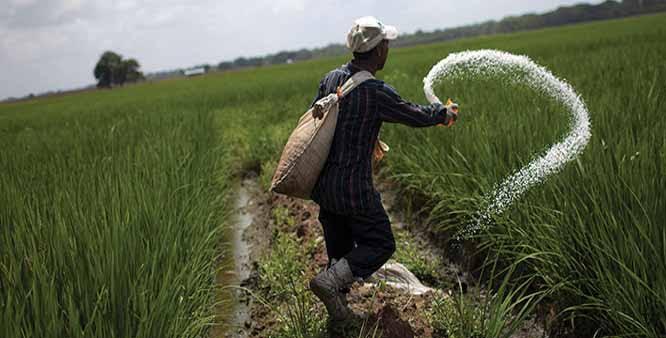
{"x": 561, "y": 16}
{"x": 558, "y": 17}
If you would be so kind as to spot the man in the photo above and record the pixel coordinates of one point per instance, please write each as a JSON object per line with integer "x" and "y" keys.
{"x": 357, "y": 230}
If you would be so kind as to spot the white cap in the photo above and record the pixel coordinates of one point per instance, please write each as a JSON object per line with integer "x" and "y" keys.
{"x": 367, "y": 32}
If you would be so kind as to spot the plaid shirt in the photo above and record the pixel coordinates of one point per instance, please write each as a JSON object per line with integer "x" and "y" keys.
{"x": 345, "y": 183}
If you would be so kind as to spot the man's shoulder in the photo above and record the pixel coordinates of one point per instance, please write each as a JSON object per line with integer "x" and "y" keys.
{"x": 383, "y": 87}
{"x": 344, "y": 72}
{"x": 339, "y": 72}
{"x": 374, "y": 84}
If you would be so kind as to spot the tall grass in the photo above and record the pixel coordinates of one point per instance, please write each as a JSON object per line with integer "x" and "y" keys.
{"x": 110, "y": 221}
{"x": 500, "y": 312}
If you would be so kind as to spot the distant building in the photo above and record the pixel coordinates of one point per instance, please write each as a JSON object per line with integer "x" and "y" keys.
{"x": 195, "y": 71}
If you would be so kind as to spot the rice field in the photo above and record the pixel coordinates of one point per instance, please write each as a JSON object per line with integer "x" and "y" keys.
{"x": 113, "y": 203}
{"x": 111, "y": 210}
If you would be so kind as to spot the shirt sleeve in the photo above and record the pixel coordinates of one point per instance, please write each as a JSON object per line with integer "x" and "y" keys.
{"x": 393, "y": 109}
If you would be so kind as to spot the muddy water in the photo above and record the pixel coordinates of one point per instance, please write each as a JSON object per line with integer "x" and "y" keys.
{"x": 235, "y": 268}
{"x": 243, "y": 219}
{"x": 241, "y": 253}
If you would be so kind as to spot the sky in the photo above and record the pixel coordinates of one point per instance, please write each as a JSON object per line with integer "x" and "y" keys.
{"x": 54, "y": 44}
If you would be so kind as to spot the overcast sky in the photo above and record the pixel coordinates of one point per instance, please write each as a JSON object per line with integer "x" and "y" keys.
{"x": 54, "y": 44}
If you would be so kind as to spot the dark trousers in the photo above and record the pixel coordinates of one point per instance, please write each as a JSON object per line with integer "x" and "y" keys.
{"x": 365, "y": 240}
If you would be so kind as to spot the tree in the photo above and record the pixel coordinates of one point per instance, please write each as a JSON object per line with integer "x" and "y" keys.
{"x": 107, "y": 69}
{"x": 131, "y": 71}
{"x": 111, "y": 70}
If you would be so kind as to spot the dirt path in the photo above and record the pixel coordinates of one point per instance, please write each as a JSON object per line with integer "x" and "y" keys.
{"x": 254, "y": 230}
{"x": 263, "y": 217}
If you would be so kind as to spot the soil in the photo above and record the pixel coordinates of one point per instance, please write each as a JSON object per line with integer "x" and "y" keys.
{"x": 396, "y": 313}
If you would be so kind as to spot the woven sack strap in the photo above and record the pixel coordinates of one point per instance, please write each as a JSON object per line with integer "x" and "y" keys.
{"x": 354, "y": 82}
{"x": 325, "y": 103}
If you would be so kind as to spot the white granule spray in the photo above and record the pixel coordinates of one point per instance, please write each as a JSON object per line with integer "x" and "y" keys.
{"x": 517, "y": 69}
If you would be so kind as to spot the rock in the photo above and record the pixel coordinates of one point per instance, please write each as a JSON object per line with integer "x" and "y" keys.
{"x": 398, "y": 276}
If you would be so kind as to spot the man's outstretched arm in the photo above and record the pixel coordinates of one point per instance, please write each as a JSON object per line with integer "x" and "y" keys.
{"x": 393, "y": 109}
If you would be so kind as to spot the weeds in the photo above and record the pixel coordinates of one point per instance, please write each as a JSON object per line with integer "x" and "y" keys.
{"x": 425, "y": 268}
{"x": 278, "y": 270}
{"x": 283, "y": 284}
{"x": 497, "y": 313}
{"x": 282, "y": 217}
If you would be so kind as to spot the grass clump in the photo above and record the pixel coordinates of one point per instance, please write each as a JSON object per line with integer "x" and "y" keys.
{"x": 283, "y": 282}
{"x": 425, "y": 268}
{"x": 284, "y": 290}
{"x": 499, "y": 312}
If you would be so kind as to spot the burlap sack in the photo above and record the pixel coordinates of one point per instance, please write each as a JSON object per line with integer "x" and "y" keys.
{"x": 306, "y": 151}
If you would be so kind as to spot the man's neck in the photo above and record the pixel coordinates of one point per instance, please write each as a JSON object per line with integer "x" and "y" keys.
{"x": 365, "y": 65}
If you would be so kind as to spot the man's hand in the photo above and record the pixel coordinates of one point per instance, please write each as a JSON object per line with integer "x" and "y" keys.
{"x": 451, "y": 113}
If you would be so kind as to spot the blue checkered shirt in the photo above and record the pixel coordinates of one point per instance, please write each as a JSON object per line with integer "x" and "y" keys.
{"x": 345, "y": 184}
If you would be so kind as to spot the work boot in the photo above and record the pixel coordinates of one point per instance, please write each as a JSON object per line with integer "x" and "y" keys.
{"x": 327, "y": 285}
{"x": 344, "y": 290}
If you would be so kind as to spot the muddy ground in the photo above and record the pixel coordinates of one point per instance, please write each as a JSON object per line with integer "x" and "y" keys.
{"x": 396, "y": 313}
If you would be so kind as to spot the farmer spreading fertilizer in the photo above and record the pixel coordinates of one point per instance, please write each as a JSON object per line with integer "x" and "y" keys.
{"x": 356, "y": 228}
{"x": 329, "y": 156}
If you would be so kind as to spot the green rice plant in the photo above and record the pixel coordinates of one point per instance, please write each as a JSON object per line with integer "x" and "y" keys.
{"x": 282, "y": 218}
{"x": 109, "y": 222}
{"x": 497, "y": 313}
{"x": 455, "y": 317}
{"x": 267, "y": 171}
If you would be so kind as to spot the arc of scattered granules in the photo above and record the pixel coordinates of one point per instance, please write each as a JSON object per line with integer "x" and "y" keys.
{"x": 518, "y": 69}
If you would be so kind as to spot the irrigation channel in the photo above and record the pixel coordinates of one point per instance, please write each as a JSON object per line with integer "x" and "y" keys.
{"x": 244, "y": 217}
